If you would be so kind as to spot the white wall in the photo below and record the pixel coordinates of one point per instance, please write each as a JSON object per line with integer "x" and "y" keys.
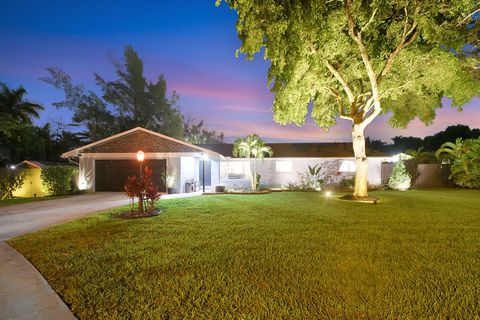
{"x": 215, "y": 173}
{"x": 86, "y": 174}
{"x": 189, "y": 171}
{"x": 270, "y": 176}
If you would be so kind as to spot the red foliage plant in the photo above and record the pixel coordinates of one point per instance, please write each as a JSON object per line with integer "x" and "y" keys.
{"x": 140, "y": 187}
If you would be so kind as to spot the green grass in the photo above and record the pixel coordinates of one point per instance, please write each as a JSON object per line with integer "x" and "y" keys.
{"x": 8, "y": 202}
{"x": 278, "y": 256}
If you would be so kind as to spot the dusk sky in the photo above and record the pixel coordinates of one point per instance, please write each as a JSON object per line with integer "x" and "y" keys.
{"x": 192, "y": 43}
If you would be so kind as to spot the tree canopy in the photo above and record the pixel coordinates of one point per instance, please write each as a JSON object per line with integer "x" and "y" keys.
{"x": 141, "y": 102}
{"x": 15, "y": 110}
{"x": 415, "y": 50}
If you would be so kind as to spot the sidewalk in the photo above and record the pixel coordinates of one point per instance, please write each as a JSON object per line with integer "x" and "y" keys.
{"x": 24, "y": 293}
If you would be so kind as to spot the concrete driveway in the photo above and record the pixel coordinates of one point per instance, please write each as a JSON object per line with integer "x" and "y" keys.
{"x": 24, "y": 218}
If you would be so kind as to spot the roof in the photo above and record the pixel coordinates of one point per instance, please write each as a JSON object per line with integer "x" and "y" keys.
{"x": 302, "y": 150}
{"x": 33, "y": 164}
{"x": 136, "y": 139}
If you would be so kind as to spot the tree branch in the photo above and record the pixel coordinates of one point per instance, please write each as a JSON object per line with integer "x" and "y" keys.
{"x": 367, "y": 62}
{"x": 342, "y": 80}
{"x": 365, "y": 26}
{"x": 338, "y": 96}
{"x": 468, "y": 17}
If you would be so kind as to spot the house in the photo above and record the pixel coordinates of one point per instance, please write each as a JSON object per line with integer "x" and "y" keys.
{"x": 104, "y": 165}
{"x": 33, "y": 185}
{"x": 290, "y": 159}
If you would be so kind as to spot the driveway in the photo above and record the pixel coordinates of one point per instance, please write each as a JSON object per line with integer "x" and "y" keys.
{"x": 24, "y": 218}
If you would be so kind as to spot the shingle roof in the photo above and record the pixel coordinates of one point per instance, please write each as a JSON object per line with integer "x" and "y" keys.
{"x": 302, "y": 150}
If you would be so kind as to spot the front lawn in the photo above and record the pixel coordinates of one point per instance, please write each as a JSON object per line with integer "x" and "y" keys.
{"x": 277, "y": 256}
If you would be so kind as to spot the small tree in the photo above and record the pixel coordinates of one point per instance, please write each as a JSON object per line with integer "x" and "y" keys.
{"x": 142, "y": 188}
{"x": 400, "y": 178}
{"x": 58, "y": 179}
{"x": 9, "y": 183}
{"x": 253, "y": 148}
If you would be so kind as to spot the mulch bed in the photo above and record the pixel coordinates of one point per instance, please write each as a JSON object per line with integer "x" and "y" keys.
{"x": 350, "y": 197}
{"x": 240, "y": 192}
{"x": 136, "y": 214}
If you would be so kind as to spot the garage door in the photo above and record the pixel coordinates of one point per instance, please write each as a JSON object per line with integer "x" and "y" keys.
{"x": 110, "y": 175}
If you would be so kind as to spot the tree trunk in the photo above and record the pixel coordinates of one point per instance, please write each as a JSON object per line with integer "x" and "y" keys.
{"x": 140, "y": 203}
{"x": 361, "y": 162}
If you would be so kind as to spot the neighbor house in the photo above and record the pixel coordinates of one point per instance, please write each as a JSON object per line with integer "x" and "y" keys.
{"x": 33, "y": 185}
{"x": 104, "y": 165}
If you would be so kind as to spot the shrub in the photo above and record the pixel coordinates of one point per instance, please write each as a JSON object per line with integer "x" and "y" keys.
{"x": 58, "y": 179}
{"x": 464, "y": 158}
{"x": 312, "y": 179}
{"x": 143, "y": 188}
{"x": 400, "y": 179}
{"x": 9, "y": 183}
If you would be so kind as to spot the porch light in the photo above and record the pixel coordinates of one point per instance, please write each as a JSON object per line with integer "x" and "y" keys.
{"x": 205, "y": 156}
{"x": 140, "y": 156}
{"x": 13, "y": 167}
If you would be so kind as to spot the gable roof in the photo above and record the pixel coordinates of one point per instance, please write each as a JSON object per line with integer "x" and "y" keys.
{"x": 136, "y": 139}
{"x": 31, "y": 164}
{"x": 302, "y": 150}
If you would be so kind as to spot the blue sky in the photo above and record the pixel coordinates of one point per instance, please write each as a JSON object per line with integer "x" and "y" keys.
{"x": 192, "y": 43}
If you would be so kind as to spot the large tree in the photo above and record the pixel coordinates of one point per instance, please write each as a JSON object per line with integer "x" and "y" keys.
{"x": 88, "y": 108}
{"x": 194, "y": 132}
{"x": 140, "y": 102}
{"x": 356, "y": 60}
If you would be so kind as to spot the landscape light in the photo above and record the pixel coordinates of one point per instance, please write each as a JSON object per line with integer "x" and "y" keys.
{"x": 328, "y": 194}
{"x": 140, "y": 156}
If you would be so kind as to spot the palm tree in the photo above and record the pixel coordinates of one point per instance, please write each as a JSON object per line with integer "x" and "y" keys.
{"x": 14, "y": 106}
{"x": 251, "y": 147}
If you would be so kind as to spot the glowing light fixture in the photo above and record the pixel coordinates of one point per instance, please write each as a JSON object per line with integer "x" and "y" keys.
{"x": 13, "y": 167}
{"x": 140, "y": 156}
{"x": 328, "y": 194}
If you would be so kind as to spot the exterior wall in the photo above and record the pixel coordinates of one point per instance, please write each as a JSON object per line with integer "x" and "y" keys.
{"x": 215, "y": 173}
{"x": 33, "y": 185}
{"x": 187, "y": 171}
{"x": 86, "y": 174}
{"x": 269, "y": 175}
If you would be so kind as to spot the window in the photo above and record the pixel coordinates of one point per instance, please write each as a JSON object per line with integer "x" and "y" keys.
{"x": 234, "y": 169}
{"x": 283, "y": 166}
{"x": 347, "y": 166}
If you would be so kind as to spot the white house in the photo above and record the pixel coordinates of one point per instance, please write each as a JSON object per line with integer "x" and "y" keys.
{"x": 291, "y": 159}
{"x": 104, "y": 165}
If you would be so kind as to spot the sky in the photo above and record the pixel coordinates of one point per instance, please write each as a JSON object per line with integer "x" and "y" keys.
{"x": 192, "y": 43}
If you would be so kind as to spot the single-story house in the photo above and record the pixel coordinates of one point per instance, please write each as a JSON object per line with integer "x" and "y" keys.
{"x": 291, "y": 159}
{"x": 104, "y": 165}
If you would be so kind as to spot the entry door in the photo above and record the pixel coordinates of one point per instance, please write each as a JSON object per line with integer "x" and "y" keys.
{"x": 208, "y": 172}
{"x": 110, "y": 175}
